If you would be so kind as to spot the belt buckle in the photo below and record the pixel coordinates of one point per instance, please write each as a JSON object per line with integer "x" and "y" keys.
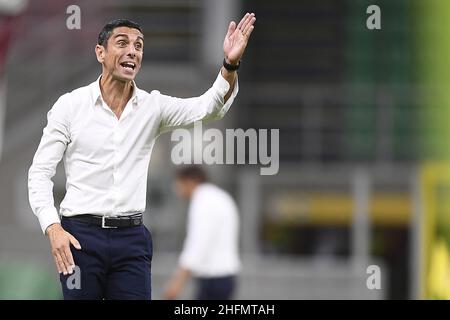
{"x": 105, "y": 226}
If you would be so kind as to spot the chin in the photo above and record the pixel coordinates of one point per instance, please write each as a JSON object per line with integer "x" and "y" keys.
{"x": 125, "y": 77}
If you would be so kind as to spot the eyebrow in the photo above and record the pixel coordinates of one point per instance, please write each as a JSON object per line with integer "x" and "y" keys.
{"x": 126, "y": 35}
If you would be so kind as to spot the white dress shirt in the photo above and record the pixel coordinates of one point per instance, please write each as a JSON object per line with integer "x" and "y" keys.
{"x": 106, "y": 159}
{"x": 211, "y": 247}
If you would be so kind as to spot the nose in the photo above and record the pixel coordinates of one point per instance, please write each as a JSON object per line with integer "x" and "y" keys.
{"x": 132, "y": 51}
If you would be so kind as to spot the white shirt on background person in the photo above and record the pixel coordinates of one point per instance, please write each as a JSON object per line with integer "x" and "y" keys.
{"x": 211, "y": 247}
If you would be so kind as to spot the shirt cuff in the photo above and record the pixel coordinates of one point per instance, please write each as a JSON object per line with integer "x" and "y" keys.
{"x": 48, "y": 216}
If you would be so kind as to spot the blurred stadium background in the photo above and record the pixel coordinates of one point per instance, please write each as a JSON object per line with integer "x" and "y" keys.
{"x": 363, "y": 116}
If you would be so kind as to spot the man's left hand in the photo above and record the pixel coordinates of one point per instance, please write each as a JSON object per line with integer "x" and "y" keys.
{"x": 237, "y": 38}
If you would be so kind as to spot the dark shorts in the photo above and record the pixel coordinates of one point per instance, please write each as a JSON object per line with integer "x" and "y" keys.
{"x": 112, "y": 263}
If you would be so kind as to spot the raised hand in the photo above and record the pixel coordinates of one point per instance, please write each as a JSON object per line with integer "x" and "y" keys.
{"x": 237, "y": 37}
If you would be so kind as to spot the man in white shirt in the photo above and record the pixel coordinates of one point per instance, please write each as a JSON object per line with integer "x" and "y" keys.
{"x": 105, "y": 133}
{"x": 211, "y": 247}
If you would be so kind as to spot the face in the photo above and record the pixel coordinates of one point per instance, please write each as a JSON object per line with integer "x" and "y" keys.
{"x": 185, "y": 187}
{"x": 122, "y": 56}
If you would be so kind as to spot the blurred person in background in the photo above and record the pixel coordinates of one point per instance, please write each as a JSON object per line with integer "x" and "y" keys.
{"x": 106, "y": 132}
{"x": 210, "y": 251}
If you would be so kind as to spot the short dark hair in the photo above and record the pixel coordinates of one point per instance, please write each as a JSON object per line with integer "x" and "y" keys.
{"x": 192, "y": 172}
{"x": 107, "y": 30}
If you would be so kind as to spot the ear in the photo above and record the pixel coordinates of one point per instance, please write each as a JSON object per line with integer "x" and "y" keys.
{"x": 100, "y": 53}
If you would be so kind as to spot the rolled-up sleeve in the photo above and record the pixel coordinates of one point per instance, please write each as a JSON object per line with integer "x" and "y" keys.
{"x": 179, "y": 112}
{"x": 49, "y": 153}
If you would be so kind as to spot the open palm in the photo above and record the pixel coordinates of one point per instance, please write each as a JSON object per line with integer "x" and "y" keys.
{"x": 237, "y": 37}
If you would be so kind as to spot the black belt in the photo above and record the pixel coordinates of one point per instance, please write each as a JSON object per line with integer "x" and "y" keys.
{"x": 107, "y": 222}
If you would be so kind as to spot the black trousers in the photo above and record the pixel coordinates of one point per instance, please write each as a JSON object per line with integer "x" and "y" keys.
{"x": 112, "y": 263}
{"x": 221, "y": 288}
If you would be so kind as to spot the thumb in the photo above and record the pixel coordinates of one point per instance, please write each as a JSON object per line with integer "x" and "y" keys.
{"x": 75, "y": 242}
{"x": 231, "y": 28}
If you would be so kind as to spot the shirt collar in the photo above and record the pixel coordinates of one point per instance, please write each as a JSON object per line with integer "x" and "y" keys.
{"x": 97, "y": 93}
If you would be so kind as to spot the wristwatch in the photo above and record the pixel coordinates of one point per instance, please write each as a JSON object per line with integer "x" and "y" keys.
{"x": 231, "y": 67}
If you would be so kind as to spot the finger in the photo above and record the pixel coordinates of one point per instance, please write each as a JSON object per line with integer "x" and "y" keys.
{"x": 74, "y": 242}
{"x": 60, "y": 262}
{"x": 239, "y": 26}
{"x": 249, "y": 32}
{"x": 231, "y": 28}
{"x": 66, "y": 263}
{"x": 69, "y": 258}
{"x": 246, "y": 30}
{"x": 242, "y": 21}
{"x": 247, "y": 21}
{"x": 57, "y": 265}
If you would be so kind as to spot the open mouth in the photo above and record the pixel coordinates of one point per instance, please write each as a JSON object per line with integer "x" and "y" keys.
{"x": 128, "y": 65}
